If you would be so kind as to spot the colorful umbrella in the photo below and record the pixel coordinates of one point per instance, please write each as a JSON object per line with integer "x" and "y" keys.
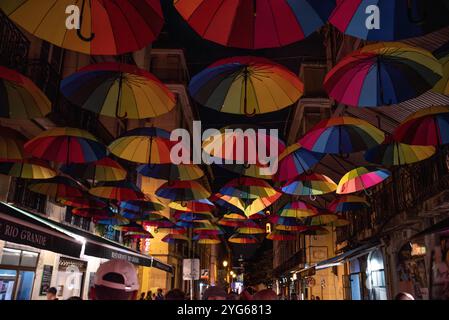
{"x": 389, "y": 20}
{"x": 348, "y": 203}
{"x": 182, "y": 191}
{"x": 172, "y": 230}
{"x": 173, "y": 238}
{"x": 118, "y": 90}
{"x": 112, "y": 221}
{"x": 250, "y": 170}
{"x": 298, "y": 210}
{"x": 206, "y": 227}
{"x": 198, "y": 206}
{"x": 342, "y": 135}
{"x": 310, "y": 185}
{"x": 11, "y": 145}
{"x": 66, "y": 145}
{"x": 442, "y": 54}
{"x": 191, "y": 216}
{"x": 119, "y": 191}
{"x": 383, "y": 74}
{"x": 233, "y": 223}
{"x": 321, "y": 219}
{"x": 257, "y": 216}
{"x": 83, "y": 202}
{"x": 20, "y": 98}
{"x": 426, "y": 127}
{"x": 251, "y": 227}
{"x": 294, "y": 161}
{"x": 91, "y": 213}
{"x": 238, "y": 238}
{"x": 281, "y": 236}
{"x": 103, "y": 27}
{"x": 171, "y": 172}
{"x": 255, "y": 24}
{"x": 161, "y": 223}
{"x": 138, "y": 235}
{"x": 130, "y": 215}
{"x": 235, "y": 216}
{"x": 361, "y": 178}
{"x": 247, "y": 86}
{"x": 57, "y": 187}
{"x": 291, "y": 228}
{"x": 102, "y": 170}
{"x": 206, "y": 239}
{"x": 140, "y": 206}
{"x": 143, "y": 145}
{"x": 391, "y": 153}
{"x": 248, "y": 188}
{"x": 129, "y": 227}
{"x": 27, "y": 169}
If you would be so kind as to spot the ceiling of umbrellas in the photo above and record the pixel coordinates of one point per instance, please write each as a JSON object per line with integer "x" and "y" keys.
{"x": 71, "y": 165}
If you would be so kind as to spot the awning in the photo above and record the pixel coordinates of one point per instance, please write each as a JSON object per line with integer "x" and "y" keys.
{"x": 440, "y": 227}
{"x": 75, "y": 239}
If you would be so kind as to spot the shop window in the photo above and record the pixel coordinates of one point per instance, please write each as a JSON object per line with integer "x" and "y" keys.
{"x": 10, "y": 257}
{"x": 29, "y": 259}
{"x": 22, "y": 196}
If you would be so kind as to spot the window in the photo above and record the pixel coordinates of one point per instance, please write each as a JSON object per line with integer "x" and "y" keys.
{"x": 22, "y": 196}
{"x": 19, "y": 258}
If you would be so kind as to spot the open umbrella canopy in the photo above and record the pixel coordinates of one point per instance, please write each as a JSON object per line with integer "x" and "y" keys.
{"x": 57, "y": 187}
{"x": 442, "y": 54}
{"x": 348, "y": 203}
{"x": 138, "y": 235}
{"x": 246, "y": 206}
{"x": 361, "y": 179}
{"x": 233, "y": 223}
{"x": 140, "y": 206}
{"x": 91, "y": 213}
{"x": 296, "y": 160}
{"x": 321, "y": 219}
{"x": 118, "y": 90}
{"x": 255, "y": 24}
{"x": 310, "y": 185}
{"x": 160, "y": 223}
{"x": 183, "y": 191}
{"x": 27, "y": 169}
{"x": 391, "y": 153}
{"x": 238, "y": 238}
{"x": 205, "y": 227}
{"x": 112, "y": 221}
{"x": 173, "y": 238}
{"x": 130, "y": 215}
{"x": 383, "y": 74}
{"x": 342, "y": 135}
{"x": 11, "y": 145}
{"x": 66, "y": 145}
{"x": 298, "y": 210}
{"x": 192, "y": 216}
{"x": 143, "y": 145}
{"x": 118, "y": 191}
{"x": 246, "y": 85}
{"x": 84, "y": 202}
{"x": 129, "y": 227}
{"x": 397, "y": 19}
{"x": 251, "y": 227}
{"x": 426, "y": 127}
{"x": 20, "y": 98}
{"x": 198, "y": 206}
{"x": 171, "y": 172}
{"x": 257, "y": 216}
{"x": 235, "y": 216}
{"x": 243, "y": 144}
{"x": 281, "y": 236}
{"x": 104, "y": 27}
{"x": 105, "y": 169}
{"x": 172, "y": 230}
{"x": 248, "y": 188}
{"x": 206, "y": 239}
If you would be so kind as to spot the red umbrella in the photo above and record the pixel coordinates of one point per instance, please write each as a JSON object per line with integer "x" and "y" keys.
{"x": 91, "y": 213}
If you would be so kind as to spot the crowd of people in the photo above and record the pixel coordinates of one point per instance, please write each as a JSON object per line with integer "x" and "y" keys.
{"x": 118, "y": 280}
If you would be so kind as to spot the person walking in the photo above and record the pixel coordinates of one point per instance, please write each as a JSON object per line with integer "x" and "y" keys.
{"x": 51, "y": 294}
{"x": 159, "y": 295}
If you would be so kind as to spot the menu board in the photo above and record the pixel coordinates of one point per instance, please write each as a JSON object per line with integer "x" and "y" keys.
{"x": 47, "y": 273}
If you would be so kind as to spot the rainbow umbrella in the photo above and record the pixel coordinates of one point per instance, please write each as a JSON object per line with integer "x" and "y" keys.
{"x": 11, "y": 145}
{"x": 119, "y": 191}
{"x": 246, "y": 86}
{"x": 104, "y": 27}
{"x": 243, "y": 144}
{"x": 442, "y": 54}
{"x": 280, "y": 222}
{"x": 173, "y": 238}
{"x": 206, "y": 227}
{"x": 102, "y": 170}
{"x": 130, "y": 215}
{"x": 57, "y": 187}
{"x": 238, "y": 238}
{"x": 342, "y": 135}
{"x": 233, "y": 223}
{"x": 248, "y": 188}
{"x": 257, "y": 216}
{"x": 185, "y": 224}
{"x": 206, "y": 239}
{"x": 91, "y": 213}
{"x": 138, "y": 235}
{"x": 143, "y": 145}
{"x": 66, "y": 145}
{"x": 246, "y": 206}
{"x": 426, "y": 127}
{"x": 281, "y": 236}
{"x": 182, "y": 191}
{"x": 172, "y": 230}
{"x": 348, "y": 203}
{"x": 129, "y": 227}
{"x": 234, "y": 216}
{"x": 294, "y": 161}
{"x": 27, "y": 169}
{"x": 255, "y": 24}
{"x": 20, "y": 98}
{"x": 315, "y": 231}
{"x": 251, "y": 227}
{"x": 310, "y": 185}
{"x": 321, "y": 219}
{"x": 160, "y": 223}
{"x": 118, "y": 90}
{"x": 361, "y": 178}
{"x": 191, "y": 216}
{"x": 112, "y": 221}
{"x": 83, "y": 202}
{"x": 140, "y": 206}
{"x": 198, "y": 206}
{"x": 398, "y": 19}
{"x": 298, "y": 210}
{"x": 171, "y": 172}
{"x": 383, "y": 74}
{"x": 391, "y": 153}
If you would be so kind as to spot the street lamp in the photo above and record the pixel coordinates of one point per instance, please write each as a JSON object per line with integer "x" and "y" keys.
{"x": 225, "y": 263}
